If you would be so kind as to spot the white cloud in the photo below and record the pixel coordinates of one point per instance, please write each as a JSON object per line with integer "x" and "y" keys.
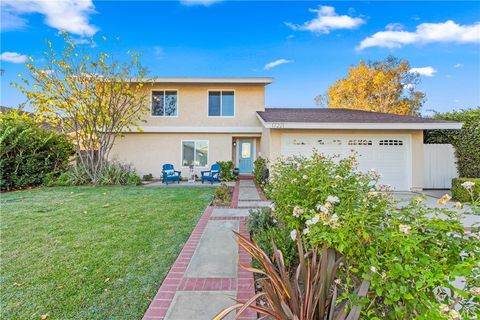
{"x": 13, "y": 57}
{"x": 327, "y": 20}
{"x": 448, "y": 31}
{"x": 10, "y": 21}
{"x": 424, "y": 71}
{"x": 71, "y": 16}
{"x": 458, "y": 65}
{"x": 276, "y": 63}
{"x": 205, "y": 3}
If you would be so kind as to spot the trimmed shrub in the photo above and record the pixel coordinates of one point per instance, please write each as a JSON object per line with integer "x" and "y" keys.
{"x": 222, "y": 195}
{"x": 260, "y": 171}
{"x": 29, "y": 154}
{"x": 226, "y": 171}
{"x": 460, "y": 193}
{"x": 466, "y": 140}
{"x": 260, "y": 219}
{"x": 147, "y": 177}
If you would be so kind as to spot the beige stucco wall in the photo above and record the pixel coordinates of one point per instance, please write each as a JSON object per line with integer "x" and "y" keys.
{"x": 192, "y": 110}
{"x": 147, "y": 152}
{"x": 272, "y": 139}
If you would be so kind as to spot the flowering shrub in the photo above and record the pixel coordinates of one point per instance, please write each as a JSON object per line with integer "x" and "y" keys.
{"x": 467, "y": 190}
{"x": 407, "y": 253}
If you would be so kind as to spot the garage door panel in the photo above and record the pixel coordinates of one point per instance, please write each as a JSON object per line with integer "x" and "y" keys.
{"x": 387, "y": 154}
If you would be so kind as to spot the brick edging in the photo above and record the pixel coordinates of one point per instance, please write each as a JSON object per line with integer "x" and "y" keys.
{"x": 176, "y": 280}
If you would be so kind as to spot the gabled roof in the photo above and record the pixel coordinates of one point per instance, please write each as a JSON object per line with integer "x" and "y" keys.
{"x": 320, "y": 118}
{"x": 207, "y": 80}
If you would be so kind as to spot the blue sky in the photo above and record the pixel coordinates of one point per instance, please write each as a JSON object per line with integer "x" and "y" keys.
{"x": 305, "y": 46}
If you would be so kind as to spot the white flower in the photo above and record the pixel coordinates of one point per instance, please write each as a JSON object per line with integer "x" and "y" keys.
{"x": 404, "y": 228}
{"x": 337, "y": 177}
{"x": 453, "y": 314}
{"x": 337, "y": 281}
{"x": 293, "y": 234}
{"x": 333, "y": 199}
{"x": 334, "y": 218}
{"x": 457, "y": 205}
{"x": 444, "y": 308}
{"x": 475, "y": 291}
{"x": 468, "y": 185}
{"x": 297, "y": 211}
{"x": 306, "y": 230}
{"x": 373, "y": 269}
{"x": 315, "y": 219}
{"x": 305, "y": 177}
{"x": 272, "y": 206}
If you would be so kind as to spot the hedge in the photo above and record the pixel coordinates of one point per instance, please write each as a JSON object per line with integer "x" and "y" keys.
{"x": 459, "y": 193}
{"x": 29, "y": 154}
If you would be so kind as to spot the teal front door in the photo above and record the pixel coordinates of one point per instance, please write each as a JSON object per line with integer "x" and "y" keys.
{"x": 245, "y": 156}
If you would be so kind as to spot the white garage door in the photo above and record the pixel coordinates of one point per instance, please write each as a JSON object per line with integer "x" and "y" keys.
{"x": 389, "y": 154}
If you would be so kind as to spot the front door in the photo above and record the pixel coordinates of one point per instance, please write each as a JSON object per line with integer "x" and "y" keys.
{"x": 245, "y": 156}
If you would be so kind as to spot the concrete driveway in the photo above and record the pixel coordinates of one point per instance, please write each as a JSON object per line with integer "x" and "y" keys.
{"x": 431, "y": 200}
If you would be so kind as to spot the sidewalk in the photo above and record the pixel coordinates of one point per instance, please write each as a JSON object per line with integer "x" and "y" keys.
{"x": 206, "y": 277}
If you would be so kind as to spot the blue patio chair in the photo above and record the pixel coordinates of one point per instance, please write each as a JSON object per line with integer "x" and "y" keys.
{"x": 212, "y": 175}
{"x": 170, "y": 174}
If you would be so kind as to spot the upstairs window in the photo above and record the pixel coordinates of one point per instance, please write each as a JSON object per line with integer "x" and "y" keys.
{"x": 164, "y": 103}
{"x": 221, "y": 104}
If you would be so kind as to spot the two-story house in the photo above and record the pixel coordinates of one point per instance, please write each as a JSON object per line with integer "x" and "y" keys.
{"x": 198, "y": 121}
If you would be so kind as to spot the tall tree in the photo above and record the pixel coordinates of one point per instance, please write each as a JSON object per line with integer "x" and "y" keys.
{"x": 383, "y": 86}
{"x": 91, "y": 95}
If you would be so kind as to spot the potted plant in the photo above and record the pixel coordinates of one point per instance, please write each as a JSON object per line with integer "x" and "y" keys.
{"x": 236, "y": 172}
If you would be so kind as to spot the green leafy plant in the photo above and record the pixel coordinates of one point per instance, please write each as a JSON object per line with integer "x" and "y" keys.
{"x": 406, "y": 253}
{"x": 309, "y": 294}
{"x": 467, "y": 190}
{"x": 147, "y": 177}
{"x": 29, "y": 154}
{"x": 222, "y": 195}
{"x": 112, "y": 173}
{"x": 226, "y": 170}
{"x": 260, "y": 219}
{"x": 260, "y": 171}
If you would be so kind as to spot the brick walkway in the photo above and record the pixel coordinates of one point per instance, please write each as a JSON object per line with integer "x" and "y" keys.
{"x": 206, "y": 277}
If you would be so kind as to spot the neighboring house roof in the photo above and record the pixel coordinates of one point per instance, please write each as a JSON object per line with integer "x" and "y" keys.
{"x": 320, "y": 118}
{"x": 210, "y": 80}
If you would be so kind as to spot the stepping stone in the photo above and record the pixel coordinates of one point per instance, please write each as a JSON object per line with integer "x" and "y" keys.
{"x": 229, "y": 212}
{"x": 247, "y": 183}
{"x": 254, "y": 203}
{"x": 200, "y": 305}
{"x": 248, "y": 194}
{"x": 216, "y": 254}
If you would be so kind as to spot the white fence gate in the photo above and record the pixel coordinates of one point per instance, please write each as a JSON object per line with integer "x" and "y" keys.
{"x": 439, "y": 166}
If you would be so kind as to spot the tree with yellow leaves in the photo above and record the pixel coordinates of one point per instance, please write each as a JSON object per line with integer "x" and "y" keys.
{"x": 385, "y": 86}
{"x": 91, "y": 96}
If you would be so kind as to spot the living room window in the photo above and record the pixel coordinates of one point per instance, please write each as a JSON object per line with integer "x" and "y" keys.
{"x": 164, "y": 103}
{"x": 221, "y": 103}
{"x": 194, "y": 153}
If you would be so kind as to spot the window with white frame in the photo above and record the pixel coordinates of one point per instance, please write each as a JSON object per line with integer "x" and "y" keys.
{"x": 164, "y": 103}
{"x": 194, "y": 153}
{"x": 221, "y": 103}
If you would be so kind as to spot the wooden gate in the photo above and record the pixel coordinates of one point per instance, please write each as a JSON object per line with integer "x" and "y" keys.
{"x": 439, "y": 166}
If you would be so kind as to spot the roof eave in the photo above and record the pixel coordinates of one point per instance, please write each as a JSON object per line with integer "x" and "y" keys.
{"x": 206, "y": 80}
{"x": 361, "y": 126}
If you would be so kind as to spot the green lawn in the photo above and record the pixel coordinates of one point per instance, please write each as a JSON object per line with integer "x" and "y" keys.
{"x": 91, "y": 253}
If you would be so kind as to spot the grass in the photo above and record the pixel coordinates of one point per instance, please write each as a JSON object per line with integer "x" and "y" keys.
{"x": 91, "y": 252}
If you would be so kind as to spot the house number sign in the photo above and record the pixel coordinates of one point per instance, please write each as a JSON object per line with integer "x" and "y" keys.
{"x": 278, "y": 125}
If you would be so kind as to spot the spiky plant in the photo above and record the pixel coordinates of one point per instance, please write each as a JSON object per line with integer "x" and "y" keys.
{"x": 309, "y": 294}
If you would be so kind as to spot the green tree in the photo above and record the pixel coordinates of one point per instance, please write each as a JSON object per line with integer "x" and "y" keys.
{"x": 382, "y": 86}
{"x": 91, "y": 94}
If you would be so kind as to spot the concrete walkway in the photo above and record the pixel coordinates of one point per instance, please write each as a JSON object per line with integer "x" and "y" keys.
{"x": 206, "y": 277}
